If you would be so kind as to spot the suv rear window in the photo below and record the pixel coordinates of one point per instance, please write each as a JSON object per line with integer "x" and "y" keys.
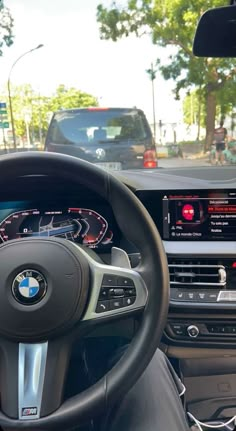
{"x": 94, "y": 125}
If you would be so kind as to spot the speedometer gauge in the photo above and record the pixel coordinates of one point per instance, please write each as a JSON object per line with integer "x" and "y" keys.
{"x": 84, "y": 226}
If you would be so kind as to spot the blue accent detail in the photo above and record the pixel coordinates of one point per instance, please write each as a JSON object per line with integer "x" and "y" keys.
{"x": 32, "y": 290}
{"x": 24, "y": 283}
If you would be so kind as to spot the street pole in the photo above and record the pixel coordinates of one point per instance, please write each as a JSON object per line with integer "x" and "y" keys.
{"x": 152, "y": 74}
{"x": 40, "y": 122}
{"x": 11, "y": 113}
{"x": 153, "y": 102}
{"x": 4, "y": 140}
{"x": 27, "y": 134}
{"x": 3, "y": 133}
{"x": 9, "y": 91}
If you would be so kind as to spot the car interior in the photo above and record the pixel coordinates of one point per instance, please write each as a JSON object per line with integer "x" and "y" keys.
{"x": 139, "y": 260}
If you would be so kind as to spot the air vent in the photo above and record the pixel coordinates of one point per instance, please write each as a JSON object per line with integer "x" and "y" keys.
{"x": 199, "y": 273}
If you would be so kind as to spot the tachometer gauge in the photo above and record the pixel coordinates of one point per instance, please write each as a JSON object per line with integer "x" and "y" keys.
{"x": 84, "y": 226}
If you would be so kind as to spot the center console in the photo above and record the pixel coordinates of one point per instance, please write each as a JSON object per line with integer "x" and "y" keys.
{"x": 207, "y": 215}
{"x": 198, "y": 229}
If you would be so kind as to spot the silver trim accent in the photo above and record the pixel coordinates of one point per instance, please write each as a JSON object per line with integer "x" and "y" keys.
{"x": 98, "y": 270}
{"x": 178, "y": 283}
{"x": 32, "y": 360}
{"x": 120, "y": 258}
{"x": 187, "y": 265}
{"x": 222, "y": 275}
{"x": 227, "y": 295}
{"x": 189, "y": 328}
{"x": 209, "y": 248}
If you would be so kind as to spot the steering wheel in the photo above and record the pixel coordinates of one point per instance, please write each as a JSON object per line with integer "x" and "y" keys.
{"x": 49, "y": 295}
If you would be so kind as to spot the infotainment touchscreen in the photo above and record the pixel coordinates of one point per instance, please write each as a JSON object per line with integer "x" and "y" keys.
{"x": 203, "y": 215}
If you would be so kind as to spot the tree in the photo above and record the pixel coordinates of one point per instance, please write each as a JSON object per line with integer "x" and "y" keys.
{"x": 66, "y": 98}
{"x": 225, "y": 101}
{"x": 6, "y": 27}
{"x": 194, "y": 111}
{"x": 172, "y": 23}
{"x": 29, "y": 106}
{"x": 22, "y": 97}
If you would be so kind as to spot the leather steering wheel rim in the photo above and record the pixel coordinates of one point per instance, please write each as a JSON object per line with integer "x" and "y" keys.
{"x": 138, "y": 227}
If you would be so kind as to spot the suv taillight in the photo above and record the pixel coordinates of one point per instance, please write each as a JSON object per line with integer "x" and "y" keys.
{"x": 150, "y": 159}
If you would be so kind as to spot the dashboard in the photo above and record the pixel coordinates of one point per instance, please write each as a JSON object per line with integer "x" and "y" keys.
{"x": 82, "y": 225}
{"x": 195, "y": 213}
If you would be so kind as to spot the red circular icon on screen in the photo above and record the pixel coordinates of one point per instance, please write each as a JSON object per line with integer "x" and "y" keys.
{"x": 188, "y": 212}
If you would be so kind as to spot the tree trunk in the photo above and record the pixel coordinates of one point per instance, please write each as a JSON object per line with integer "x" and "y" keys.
{"x": 210, "y": 118}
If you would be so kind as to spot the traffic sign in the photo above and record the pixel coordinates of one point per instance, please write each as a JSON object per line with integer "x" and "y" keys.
{"x": 3, "y": 105}
{"x": 3, "y": 112}
{"x": 4, "y": 125}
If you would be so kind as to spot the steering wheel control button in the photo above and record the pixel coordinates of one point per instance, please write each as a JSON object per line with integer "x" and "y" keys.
{"x": 29, "y": 287}
{"x": 193, "y": 331}
{"x": 109, "y": 280}
{"x": 116, "y": 293}
{"x": 124, "y": 281}
{"x": 104, "y": 293}
{"x": 116, "y": 303}
{"x": 129, "y": 301}
{"x": 103, "y": 306}
{"x": 130, "y": 291}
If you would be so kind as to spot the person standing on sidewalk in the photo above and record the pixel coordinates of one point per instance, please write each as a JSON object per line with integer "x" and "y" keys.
{"x": 220, "y": 135}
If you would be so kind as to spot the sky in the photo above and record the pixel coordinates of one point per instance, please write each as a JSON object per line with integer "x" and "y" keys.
{"x": 74, "y": 55}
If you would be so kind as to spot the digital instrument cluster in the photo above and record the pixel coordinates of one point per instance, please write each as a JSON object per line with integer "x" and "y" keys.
{"x": 204, "y": 215}
{"x": 79, "y": 224}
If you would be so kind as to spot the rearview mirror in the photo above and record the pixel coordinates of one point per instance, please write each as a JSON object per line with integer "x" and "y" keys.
{"x": 216, "y": 33}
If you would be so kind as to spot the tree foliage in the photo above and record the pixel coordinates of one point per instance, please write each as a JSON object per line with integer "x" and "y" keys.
{"x": 66, "y": 98}
{"x": 194, "y": 111}
{"x": 6, "y": 27}
{"x": 172, "y": 23}
{"x": 36, "y": 109}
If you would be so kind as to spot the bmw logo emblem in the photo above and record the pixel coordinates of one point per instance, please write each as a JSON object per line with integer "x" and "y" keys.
{"x": 29, "y": 287}
{"x": 101, "y": 153}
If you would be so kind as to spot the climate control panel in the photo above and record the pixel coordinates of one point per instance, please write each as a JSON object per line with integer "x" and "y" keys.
{"x": 202, "y": 280}
{"x": 187, "y": 330}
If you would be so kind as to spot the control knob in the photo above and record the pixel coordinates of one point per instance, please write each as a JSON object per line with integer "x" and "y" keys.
{"x": 193, "y": 331}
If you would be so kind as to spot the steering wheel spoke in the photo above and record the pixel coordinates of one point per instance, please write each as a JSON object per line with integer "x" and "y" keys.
{"x": 32, "y": 377}
{"x": 114, "y": 291}
{"x": 32, "y": 360}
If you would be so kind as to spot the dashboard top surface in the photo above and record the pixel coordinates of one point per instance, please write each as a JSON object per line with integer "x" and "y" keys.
{"x": 139, "y": 180}
{"x": 195, "y": 178}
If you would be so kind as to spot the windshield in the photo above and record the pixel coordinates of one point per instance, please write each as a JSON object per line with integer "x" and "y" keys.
{"x": 116, "y": 84}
